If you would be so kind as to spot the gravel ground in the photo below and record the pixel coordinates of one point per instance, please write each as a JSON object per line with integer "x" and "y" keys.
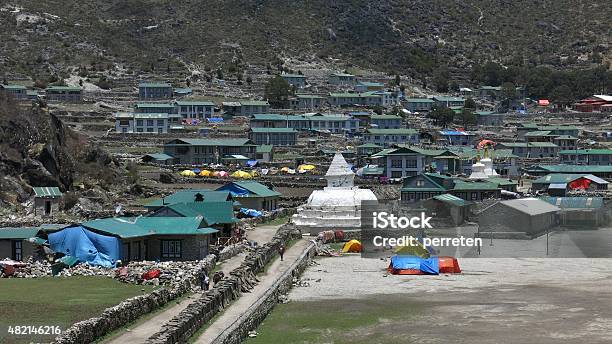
{"x": 354, "y": 277}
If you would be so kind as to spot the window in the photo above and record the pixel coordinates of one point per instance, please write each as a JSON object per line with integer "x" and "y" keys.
{"x": 420, "y": 183}
{"x": 150, "y": 122}
{"x": 139, "y": 130}
{"x": 171, "y": 249}
{"x": 474, "y": 196}
{"x": 17, "y": 250}
{"x": 396, "y": 174}
{"x": 396, "y": 163}
{"x": 149, "y": 130}
{"x": 411, "y": 163}
{"x": 124, "y": 122}
{"x": 160, "y": 122}
{"x": 139, "y": 122}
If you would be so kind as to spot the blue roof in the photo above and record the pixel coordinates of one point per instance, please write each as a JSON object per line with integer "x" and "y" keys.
{"x": 453, "y": 132}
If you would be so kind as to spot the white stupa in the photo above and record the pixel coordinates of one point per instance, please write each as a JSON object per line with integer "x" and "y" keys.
{"x": 483, "y": 168}
{"x": 338, "y": 205}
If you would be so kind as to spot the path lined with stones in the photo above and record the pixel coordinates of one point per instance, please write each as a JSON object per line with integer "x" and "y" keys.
{"x": 142, "y": 331}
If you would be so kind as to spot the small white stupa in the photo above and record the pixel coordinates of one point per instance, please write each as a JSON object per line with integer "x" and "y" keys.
{"x": 483, "y": 168}
{"x": 338, "y": 205}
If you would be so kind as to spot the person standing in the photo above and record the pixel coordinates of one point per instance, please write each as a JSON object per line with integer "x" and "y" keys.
{"x": 281, "y": 252}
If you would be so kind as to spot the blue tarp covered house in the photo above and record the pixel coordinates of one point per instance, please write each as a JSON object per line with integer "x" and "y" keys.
{"x": 87, "y": 246}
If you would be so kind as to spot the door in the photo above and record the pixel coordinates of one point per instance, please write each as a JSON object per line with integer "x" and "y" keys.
{"x": 47, "y": 207}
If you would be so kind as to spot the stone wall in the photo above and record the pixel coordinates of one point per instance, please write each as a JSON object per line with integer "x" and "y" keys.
{"x": 112, "y": 318}
{"x": 238, "y": 331}
{"x": 242, "y": 279}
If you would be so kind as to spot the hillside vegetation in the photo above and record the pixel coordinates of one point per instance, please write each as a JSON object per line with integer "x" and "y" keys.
{"x": 407, "y": 36}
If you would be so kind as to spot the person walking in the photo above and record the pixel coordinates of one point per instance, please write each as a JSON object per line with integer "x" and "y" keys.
{"x": 281, "y": 252}
{"x": 204, "y": 280}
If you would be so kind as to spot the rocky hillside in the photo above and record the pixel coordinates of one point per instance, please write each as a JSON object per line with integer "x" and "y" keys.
{"x": 408, "y": 36}
{"x": 36, "y": 149}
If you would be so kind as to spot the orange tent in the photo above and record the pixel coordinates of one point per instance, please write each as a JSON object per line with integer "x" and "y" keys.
{"x": 353, "y": 246}
{"x": 448, "y": 265}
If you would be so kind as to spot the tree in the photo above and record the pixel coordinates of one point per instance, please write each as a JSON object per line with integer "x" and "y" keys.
{"x": 277, "y": 91}
{"x": 398, "y": 80}
{"x": 470, "y": 104}
{"x": 441, "y": 115}
{"x": 508, "y": 91}
{"x": 467, "y": 118}
{"x": 454, "y": 86}
{"x": 441, "y": 78}
{"x": 561, "y": 95}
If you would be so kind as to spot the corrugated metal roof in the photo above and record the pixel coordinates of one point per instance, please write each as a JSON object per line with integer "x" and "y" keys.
{"x": 273, "y": 130}
{"x": 159, "y": 156}
{"x": 531, "y": 206}
{"x": 214, "y": 142}
{"x": 47, "y": 191}
{"x": 186, "y": 196}
{"x": 558, "y": 186}
{"x": 130, "y": 227}
{"x": 575, "y": 202}
{"x": 154, "y": 85}
{"x": 212, "y": 212}
{"x": 18, "y": 232}
{"x": 256, "y": 189}
{"x": 454, "y": 200}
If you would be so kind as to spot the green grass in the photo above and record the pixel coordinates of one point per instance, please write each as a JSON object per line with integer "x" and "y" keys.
{"x": 275, "y": 222}
{"x": 57, "y": 302}
{"x": 381, "y": 319}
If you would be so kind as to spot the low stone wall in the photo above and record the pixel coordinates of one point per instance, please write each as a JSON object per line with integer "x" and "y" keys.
{"x": 180, "y": 328}
{"x": 238, "y": 331}
{"x": 276, "y": 214}
{"x": 131, "y": 309}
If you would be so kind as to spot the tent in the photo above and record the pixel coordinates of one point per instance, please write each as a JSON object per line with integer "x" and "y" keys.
{"x": 418, "y": 249}
{"x": 251, "y": 163}
{"x": 413, "y": 265}
{"x": 221, "y": 174}
{"x": 205, "y": 173}
{"x": 87, "y": 246}
{"x": 188, "y": 173}
{"x": 353, "y": 246}
{"x": 241, "y": 174}
{"x": 306, "y": 167}
{"x": 196, "y": 170}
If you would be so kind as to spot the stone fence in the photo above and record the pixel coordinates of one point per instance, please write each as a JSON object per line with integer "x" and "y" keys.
{"x": 236, "y": 332}
{"x": 242, "y": 279}
{"x": 112, "y": 318}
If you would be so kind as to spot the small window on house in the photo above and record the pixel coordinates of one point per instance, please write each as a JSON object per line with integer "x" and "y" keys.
{"x": 171, "y": 249}
{"x": 17, "y": 250}
{"x": 420, "y": 182}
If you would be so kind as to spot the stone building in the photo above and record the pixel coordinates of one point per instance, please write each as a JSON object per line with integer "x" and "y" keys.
{"x": 46, "y": 200}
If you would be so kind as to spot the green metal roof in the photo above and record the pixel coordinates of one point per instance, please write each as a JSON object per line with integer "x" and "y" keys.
{"x": 485, "y": 113}
{"x": 254, "y": 102}
{"x": 293, "y": 75}
{"x": 212, "y": 142}
{"x": 385, "y": 117}
{"x": 18, "y": 232}
{"x": 343, "y": 74}
{"x": 373, "y": 171}
{"x": 159, "y": 156}
{"x": 212, "y": 212}
{"x": 150, "y": 116}
{"x": 47, "y": 191}
{"x": 557, "y": 127}
{"x": 310, "y": 96}
{"x": 133, "y": 227}
{"x": 461, "y": 185}
{"x": 270, "y": 117}
{"x": 448, "y": 99}
{"x": 154, "y": 85}
{"x": 528, "y": 144}
{"x": 587, "y": 151}
{"x": 195, "y": 103}
{"x": 255, "y": 188}
{"x": 369, "y": 145}
{"x": 264, "y": 149}
{"x": 538, "y": 133}
{"x": 154, "y": 105}
{"x": 575, "y": 202}
{"x": 13, "y": 87}
{"x": 419, "y": 100}
{"x": 401, "y": 131}
{"x": 451, "y": 199}
{"x": 576, "y": 168}
{"x": 186, "y": 196}
{"x": 273, "y": 130}
{"x": 63, "y": 88}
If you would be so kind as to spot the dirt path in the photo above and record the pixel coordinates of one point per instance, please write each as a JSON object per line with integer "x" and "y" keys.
{"x": 236, "y": 309}
{"x": 142, "y": 331}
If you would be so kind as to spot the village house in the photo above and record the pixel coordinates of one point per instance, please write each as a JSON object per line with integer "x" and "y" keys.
{"x": 386, "y": 121}
{"x": 560, "y": 184}
{"x": 195, "y": 109}
{"x": 333, "y": 123}
{"x": 271, "y": 120}
{"x": 352, "y": 99}
{"x": 418, "y": 104}
{"x": 490, "y": 118}
{"x": 581, "y": 212}
{"x": 307, "y": 101}
{"x": 157, "y": 158}
{"x": 522, "y": 218}
{"x": 595, "y": 103}
{"x": 46, "y": 200}
{"x": 586, "y": 156}
{"x": 565, "y": 142}
{"x": 366, "y": 86}
{"x": 208, "y": 151}
{"x": 403, "y": 161}
{"x": 218, "y": 215}
{"x": 449, "y": 102}
{"x": 553, "y": 130}
{"x": 155, "y": 90}
{"x": 459, "y": 160}
{"x": 386, "y": 137}
{"x": 368, "y": 149}
{"x": 274, "y": 136}
{"x": 342, "y": 79}
{"x": 157, "y": 238}
{"x": 67, "y": 94}
{"x": 457, "y": 138}
{"x": 264, "y": 153}
{"x": 19, "y": 92}
{"x": 253, "y": 195}
{"x": 250, "y": 107}
{"x": 154, "y": 108}
{"x": 152, "y": 123}
{"x": 427, "y": 185}
{"x": 14, "y": 243}
{"x": 188, "y": 196}
{"x": 601, "y": 171}
{"x": 297, "y": 80}
{"x": 531, "y": 149}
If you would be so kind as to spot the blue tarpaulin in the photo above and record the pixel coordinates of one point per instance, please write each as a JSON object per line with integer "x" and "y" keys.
{"x": 426, "y": 265}
{"x": 215, "y": 120}
{"x": 87, "y": 246}
{"x": 236, "y": 190}
{"x": 252, "y": 163}
{"x": 251, "y": 212}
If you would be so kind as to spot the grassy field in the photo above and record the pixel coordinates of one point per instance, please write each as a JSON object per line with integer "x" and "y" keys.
{"x": 57, "y": 302}
{"x": 339, "y": 321}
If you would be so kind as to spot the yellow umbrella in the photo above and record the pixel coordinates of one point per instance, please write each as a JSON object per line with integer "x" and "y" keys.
{"x": 285, "y": 169}
{"x": 241, "y": 174}
{"x": 306, "y": 167}
{"x": 254, "y": 173}
{"x": 205, "y": 173}
{"x": 188, "y": 173}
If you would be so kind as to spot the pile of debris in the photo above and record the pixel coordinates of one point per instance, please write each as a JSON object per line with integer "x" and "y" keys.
{"x": 29, "y": 269}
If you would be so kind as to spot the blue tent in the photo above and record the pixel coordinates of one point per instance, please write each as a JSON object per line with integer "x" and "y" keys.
{"x": 87, "y": 246}
{"x": 426, "y": 265}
